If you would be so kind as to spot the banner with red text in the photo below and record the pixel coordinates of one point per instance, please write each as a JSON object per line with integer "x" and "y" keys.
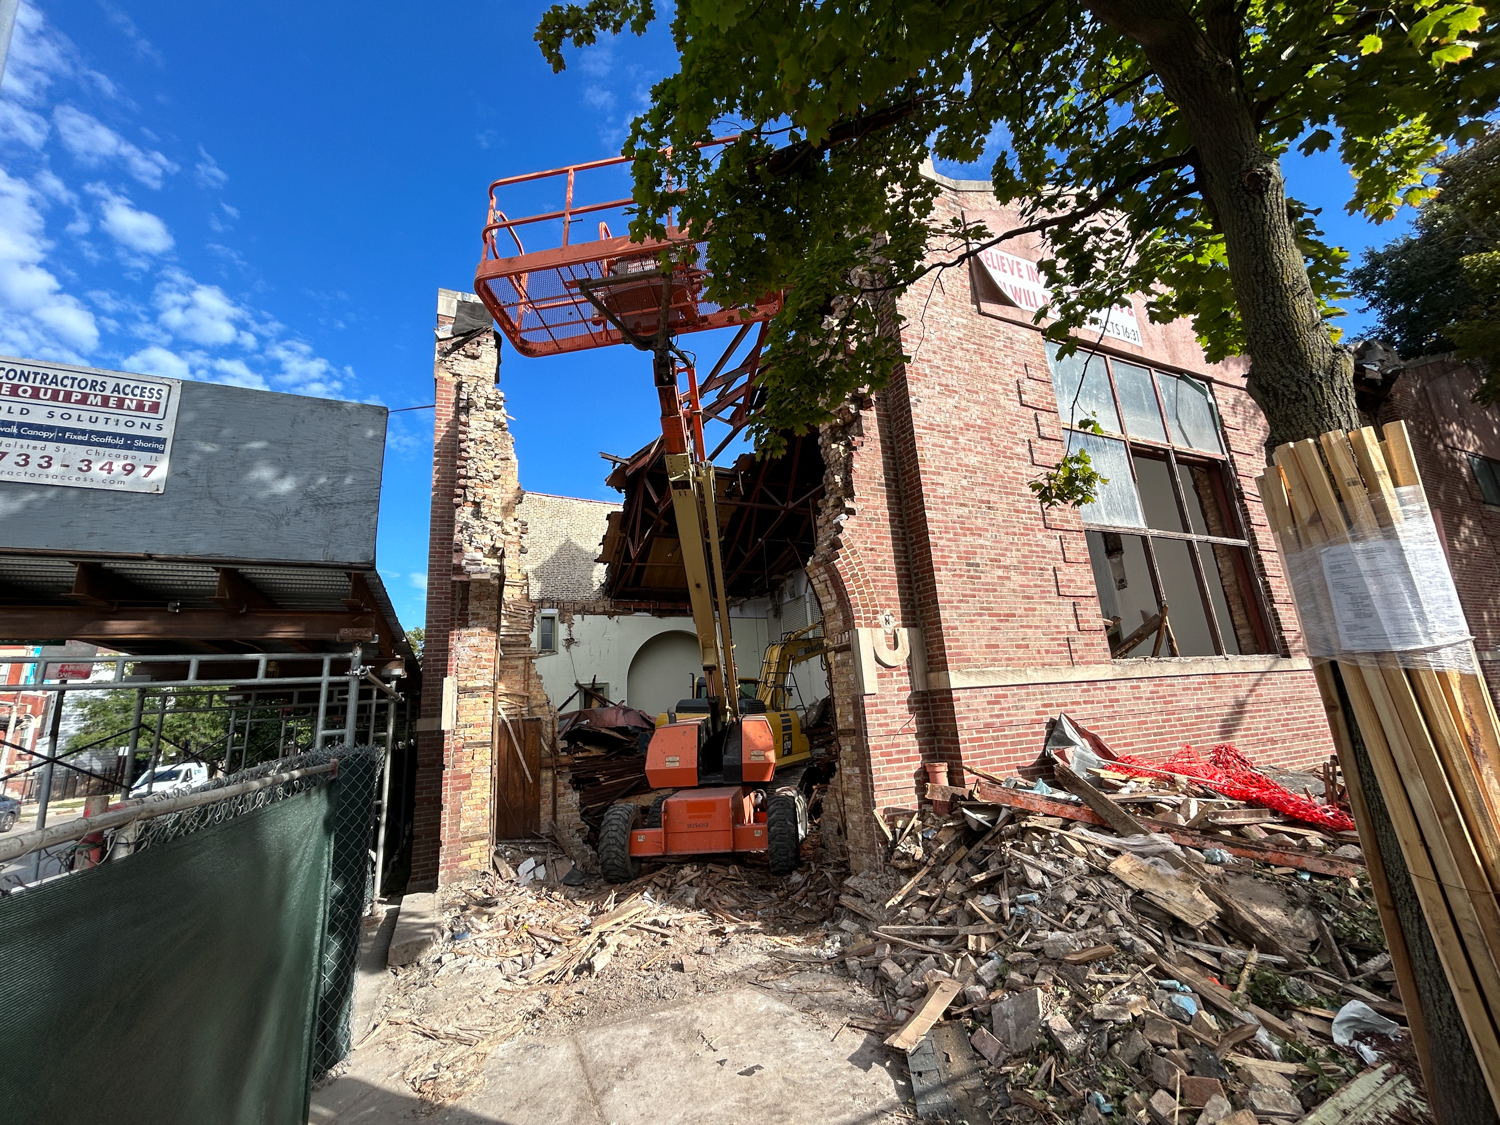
{"x": 84, "y": 428}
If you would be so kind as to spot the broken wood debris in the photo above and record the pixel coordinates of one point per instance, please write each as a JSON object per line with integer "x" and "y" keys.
{"x": 1098, "y": 961}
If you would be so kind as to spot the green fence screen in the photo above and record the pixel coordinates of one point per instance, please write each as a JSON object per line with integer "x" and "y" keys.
{"x": 178, "y": 987}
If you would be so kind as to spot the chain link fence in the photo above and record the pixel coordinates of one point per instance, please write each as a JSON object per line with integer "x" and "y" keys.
{"x": 350, "y": 880}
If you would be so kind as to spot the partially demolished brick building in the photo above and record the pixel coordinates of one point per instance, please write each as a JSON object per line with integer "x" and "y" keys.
{"x": 962, "y": 614}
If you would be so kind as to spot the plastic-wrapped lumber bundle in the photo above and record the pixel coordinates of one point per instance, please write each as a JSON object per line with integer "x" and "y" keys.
{"x": 1377, "y": 602}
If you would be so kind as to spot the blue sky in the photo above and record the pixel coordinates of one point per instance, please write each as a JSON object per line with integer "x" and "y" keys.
{"x": 269, "y": 195}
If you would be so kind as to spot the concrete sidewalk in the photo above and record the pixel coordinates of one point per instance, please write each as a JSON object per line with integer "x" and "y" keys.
{"x": 740, "y": 1055}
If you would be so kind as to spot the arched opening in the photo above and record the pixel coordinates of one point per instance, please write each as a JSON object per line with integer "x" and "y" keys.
{"x": 662, "y": 672}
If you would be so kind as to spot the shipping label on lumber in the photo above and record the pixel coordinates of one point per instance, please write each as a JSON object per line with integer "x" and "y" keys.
{"x": 83, "y": 428}
{"x": 1394, "y": 594}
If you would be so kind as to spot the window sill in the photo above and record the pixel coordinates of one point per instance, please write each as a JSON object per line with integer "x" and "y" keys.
{"x": 1126, "y": 668}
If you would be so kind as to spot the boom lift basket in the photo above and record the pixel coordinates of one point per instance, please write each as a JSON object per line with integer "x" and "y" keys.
{"x": 567, "y": 295}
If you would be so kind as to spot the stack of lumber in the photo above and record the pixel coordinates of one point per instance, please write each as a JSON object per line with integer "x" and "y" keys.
{"x": 1431, "y": 735}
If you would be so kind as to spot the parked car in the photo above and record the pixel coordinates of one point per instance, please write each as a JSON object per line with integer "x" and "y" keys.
{"x": 10, "y": 812}
{"x": 171, "y": 779}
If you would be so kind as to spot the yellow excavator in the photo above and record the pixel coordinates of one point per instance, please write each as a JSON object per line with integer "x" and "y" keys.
{"x": 770, "y": 695}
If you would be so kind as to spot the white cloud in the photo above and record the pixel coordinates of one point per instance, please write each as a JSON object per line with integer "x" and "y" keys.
{"x": 140, "y": 231}
{"x": 19, "y": 123}
{"x": 94, "y": 143}
{"x": 38, "y": 319}
{"x": 237, "y": 373}
{"x": 38, "y": 56}
{"x": 126, "y": 27}
{"x": 156, "y": 360}
{"x": 305, "y": 373}
{"x": 599, "y": 98}
{"x": 597, "y": 61}
{"x": 418, "y": 580}
{"x": 208, "y": 173}
{"x": 203, "y": 314}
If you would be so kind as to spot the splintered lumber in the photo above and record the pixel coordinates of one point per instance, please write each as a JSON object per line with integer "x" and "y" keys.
{"x": 1179, "y": 894}
{"x": 1114, "y": 816}
{"x": 1430, "y": 734}
{"x": 1379, "y": 1095}
{"x": 1268, "y": 854}
{"x": 939, "y": 996}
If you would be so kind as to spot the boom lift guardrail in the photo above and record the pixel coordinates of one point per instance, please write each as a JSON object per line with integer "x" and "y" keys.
{"x": 607, "y": 291}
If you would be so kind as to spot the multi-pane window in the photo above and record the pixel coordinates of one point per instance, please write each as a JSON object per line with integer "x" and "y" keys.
{"x": 546, "y": 633}
{"x": 1487, "y": 475}
{"x": 1170, "y": 557}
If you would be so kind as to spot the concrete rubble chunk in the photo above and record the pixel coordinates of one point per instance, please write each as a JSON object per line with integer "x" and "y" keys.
{"x": 1240, "y": 1117}
{"x": 1131, "y": 1048}
{"x": 987, "y": 1045}
{"x": 1163, "y": 1109}
{"x": 1269, "y": 1101}
{"x": 1017, "y": 1020}
{"x": 1215, "y": 1110}
{"x": 419, "y": 928}
{"x": 1063, "y": 1034}
{"x": 1163, "y": 1071}
{"x": 1198, "y": 1091}
{"x": 1159, "y": 1031}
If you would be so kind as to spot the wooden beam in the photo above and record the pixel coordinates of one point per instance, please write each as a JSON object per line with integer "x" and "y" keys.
{"x": 88, "y": 623}
{"x": 95, "y": 586}
{"x": 237, "y": 594}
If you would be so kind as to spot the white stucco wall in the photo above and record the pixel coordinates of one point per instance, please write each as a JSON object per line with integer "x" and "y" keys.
{"x": 598, "y": 647}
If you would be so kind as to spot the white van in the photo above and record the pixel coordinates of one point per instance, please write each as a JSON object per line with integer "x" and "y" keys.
{"x": 171, "y": 779}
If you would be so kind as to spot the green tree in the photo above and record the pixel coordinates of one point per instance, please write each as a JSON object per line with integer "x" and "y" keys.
{"x": 417, "y": 637}
{"x": 1438, "y": 288}
{"x": 108, "y": 715}
{"x": 1142, "y": 137}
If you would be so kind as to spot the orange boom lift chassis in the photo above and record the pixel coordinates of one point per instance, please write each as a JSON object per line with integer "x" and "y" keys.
{"x": 572, "y": 295}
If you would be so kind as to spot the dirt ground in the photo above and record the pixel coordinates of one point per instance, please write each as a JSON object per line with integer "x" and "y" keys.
{"x": 539, "y": 962}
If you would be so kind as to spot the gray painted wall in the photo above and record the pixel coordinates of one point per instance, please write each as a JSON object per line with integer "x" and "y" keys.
{"x": 254, "y": 475}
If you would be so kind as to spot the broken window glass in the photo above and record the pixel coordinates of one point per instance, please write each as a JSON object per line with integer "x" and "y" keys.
{"x": 1154, "y": 479}
{"x": 1116, "y": 503}
{"x": 1194, "y": 562}
{"x": 1122, "y": 575}
{"x": 1082, "y": 385}
{"x": 1138, "y": 402}
{"x": 1191, "y": 412}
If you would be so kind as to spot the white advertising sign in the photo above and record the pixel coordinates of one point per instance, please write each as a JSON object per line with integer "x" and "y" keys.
{"x": 82, "y": 428}
{"x": 1023, "y": 284}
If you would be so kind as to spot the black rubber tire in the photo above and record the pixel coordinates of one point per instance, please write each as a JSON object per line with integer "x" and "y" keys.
{"x": 9, "y": 821}
{"x": 616, "y": 863}
{"x": 653, "y": 816}
{"x": 783, "y": 834}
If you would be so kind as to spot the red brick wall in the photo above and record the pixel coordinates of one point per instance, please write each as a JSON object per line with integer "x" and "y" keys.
{"x": 479, "y": 615}
{"x": 938, "y": 528}
{"x": 431, "y": 744}
{"x": 1433, "y": 398}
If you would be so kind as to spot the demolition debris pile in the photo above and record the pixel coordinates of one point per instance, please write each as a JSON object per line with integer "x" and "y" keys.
{"x": 1037, "y": 950}
{"x": 1059, "y": 954}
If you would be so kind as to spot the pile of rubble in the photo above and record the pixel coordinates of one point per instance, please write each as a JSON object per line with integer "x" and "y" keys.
{"x": 1077, "y": 963}
{"x": 1101, "y": 946}
{"x": 536, "y": 947}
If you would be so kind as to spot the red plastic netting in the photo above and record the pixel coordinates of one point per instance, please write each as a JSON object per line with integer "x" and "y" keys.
{"x": 1230, "y": 773}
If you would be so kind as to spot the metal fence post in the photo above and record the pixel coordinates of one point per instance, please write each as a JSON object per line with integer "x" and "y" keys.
{"x": 351, "y": 703}
{"x": 161, "y": 719}
{"x": 128, "y": 777}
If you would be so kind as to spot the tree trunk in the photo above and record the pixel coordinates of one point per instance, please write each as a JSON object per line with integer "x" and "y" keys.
{"x": 1303, "y": 382}
{"x": 1301, "y": 379}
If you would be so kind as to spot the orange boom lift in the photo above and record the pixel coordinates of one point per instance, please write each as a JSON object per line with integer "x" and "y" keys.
{"x": 573, "y": 295}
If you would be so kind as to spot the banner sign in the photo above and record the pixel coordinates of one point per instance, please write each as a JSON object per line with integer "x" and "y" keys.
{"x": 83, "y": 428}
{"x": 1025, "y": 287}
